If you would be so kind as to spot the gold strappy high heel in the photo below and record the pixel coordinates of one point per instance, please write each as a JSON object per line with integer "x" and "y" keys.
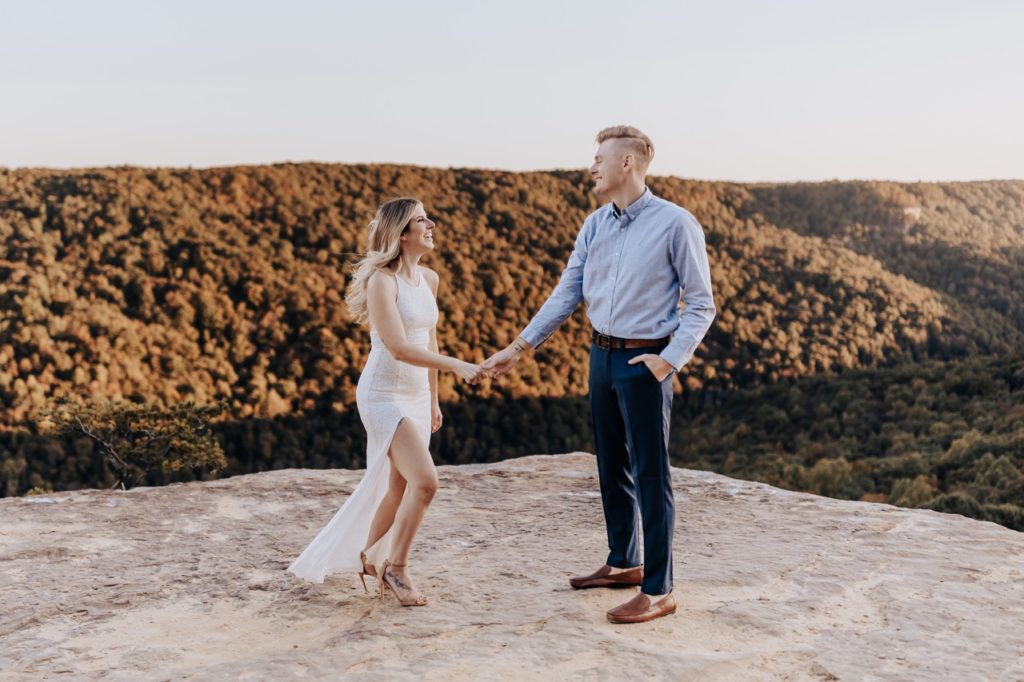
{"x": 368, "y": 570}
{"x": 393, "y": 582}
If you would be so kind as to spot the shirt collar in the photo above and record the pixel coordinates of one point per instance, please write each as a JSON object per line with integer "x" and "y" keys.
{"x": 634, "y": 209}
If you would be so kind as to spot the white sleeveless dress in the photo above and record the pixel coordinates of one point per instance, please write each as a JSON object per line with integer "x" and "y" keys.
{"x": 388, "y": 392}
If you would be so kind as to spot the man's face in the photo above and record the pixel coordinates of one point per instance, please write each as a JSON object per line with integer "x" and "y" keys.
{"x": 607, "y": 170}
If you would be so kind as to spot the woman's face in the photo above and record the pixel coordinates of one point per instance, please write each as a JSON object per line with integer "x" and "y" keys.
{"x": 418, "y": 236}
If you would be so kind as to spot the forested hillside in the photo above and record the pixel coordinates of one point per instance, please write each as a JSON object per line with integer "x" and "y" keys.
{"x": 227, "y": 283}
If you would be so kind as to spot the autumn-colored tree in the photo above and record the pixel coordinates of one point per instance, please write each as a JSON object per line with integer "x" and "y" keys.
{"x": 160, "y": 286}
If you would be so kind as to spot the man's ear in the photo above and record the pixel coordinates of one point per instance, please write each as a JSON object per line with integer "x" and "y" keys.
{"x": 627, "y": 161}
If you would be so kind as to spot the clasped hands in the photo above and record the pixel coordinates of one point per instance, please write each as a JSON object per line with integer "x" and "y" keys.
{"x": 493, "y": 367}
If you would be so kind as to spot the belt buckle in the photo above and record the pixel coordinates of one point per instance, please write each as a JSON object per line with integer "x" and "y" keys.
{"x": 603, "y": 342}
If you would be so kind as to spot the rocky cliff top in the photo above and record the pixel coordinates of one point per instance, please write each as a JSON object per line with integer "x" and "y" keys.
{"x": 188, "y": 581}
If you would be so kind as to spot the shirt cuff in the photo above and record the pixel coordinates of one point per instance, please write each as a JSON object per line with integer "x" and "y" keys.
{"x": 675, "y": 356}
{"x": 532, "y": 337}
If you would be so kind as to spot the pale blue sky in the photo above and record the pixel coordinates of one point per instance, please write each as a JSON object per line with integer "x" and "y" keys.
{"x": 737, "y": 90}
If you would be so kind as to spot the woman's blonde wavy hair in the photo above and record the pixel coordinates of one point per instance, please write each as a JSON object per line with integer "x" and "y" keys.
{"x": 383, "y": 251}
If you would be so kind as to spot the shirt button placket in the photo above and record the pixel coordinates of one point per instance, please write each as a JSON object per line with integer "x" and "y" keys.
{"x": 620, "y": 238}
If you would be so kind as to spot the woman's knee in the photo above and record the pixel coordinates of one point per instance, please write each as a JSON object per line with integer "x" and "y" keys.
{"x": 425, "y": 488}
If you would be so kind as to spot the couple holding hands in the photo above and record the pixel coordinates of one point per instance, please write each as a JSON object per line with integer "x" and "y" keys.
{"x": 632, "y": 259}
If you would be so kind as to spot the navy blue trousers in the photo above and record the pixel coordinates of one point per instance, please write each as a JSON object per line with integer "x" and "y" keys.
{"x": 630, "y": 412}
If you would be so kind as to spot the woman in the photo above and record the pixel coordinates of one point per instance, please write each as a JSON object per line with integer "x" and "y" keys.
{"x": 397, "y": 401}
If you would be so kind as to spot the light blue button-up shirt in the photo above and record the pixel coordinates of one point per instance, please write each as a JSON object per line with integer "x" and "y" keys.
{"x": 630, "y": 266}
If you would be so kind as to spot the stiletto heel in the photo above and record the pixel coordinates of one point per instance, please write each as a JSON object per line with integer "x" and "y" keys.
{"x": 384, "y": 579}
{"x": 368, "y": 570}
{"x": 381, "y": 582}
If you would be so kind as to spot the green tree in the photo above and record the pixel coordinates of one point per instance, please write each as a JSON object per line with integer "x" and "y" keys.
{"x": 137, "y": 438}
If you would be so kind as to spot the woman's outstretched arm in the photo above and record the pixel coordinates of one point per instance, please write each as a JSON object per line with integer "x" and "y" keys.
{"x": 382, "y": 307}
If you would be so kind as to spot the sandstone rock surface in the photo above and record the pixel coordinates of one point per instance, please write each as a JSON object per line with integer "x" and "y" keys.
{"x": 188, "y": 581}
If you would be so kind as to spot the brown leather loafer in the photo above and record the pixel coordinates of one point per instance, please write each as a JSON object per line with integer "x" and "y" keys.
{"x": 642, "y": 608}
{"x": 603, "y": 577}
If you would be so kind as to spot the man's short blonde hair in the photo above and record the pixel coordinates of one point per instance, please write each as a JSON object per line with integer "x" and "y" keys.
{"x": 636, "y": 143}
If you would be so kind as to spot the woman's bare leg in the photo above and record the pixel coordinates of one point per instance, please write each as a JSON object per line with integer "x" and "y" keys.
{"x": 385, "y": 515}
{"x": 410, "y": 456}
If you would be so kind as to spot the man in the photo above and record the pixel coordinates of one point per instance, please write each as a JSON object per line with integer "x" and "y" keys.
{"x": 631, "y": 259}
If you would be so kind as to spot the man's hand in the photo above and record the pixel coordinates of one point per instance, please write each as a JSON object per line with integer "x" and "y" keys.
{"x": 658, "y": 366}
{"x": 502, "y": 361}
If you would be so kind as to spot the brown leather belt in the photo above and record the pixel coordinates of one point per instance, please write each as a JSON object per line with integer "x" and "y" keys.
{"x": 613, "y": 342}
